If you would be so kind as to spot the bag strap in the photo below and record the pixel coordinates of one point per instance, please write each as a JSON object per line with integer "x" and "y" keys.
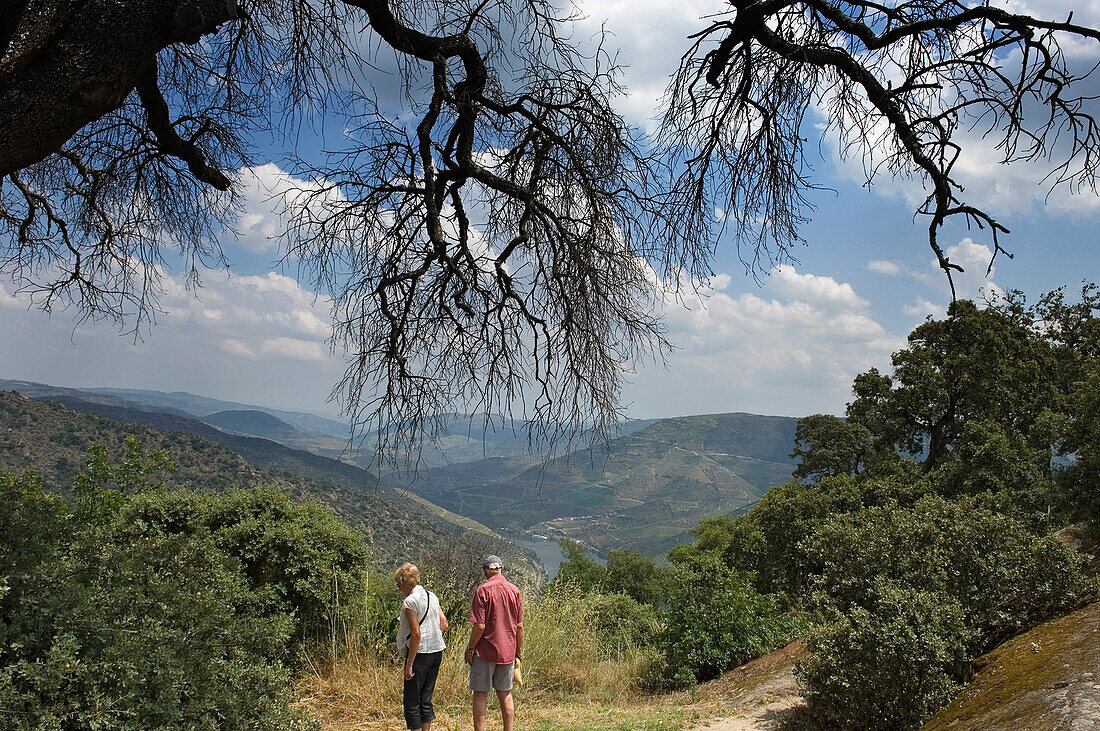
{"x": 421, "y": 622}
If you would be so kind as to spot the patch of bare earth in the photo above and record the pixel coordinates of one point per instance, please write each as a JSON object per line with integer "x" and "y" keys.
{"x": 762, "y": 694}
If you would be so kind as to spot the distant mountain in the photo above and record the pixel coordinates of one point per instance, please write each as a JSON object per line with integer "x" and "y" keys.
{"x": 471, "y": 438}
{"x": 53, "y": 440}
{"x": 203, "y": 406}
{"x": 645, "y": 490}
{"x": 43, "y": 391}
{"x": 255, "y": 423}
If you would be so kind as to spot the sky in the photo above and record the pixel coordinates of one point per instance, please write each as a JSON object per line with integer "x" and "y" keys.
{"x": 788, "y": 343}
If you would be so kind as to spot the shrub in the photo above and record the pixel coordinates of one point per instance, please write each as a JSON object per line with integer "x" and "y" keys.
{"x": 132, "y": 607}
{"x": 1004, "y": 578}
{"x": 912, "y": 595}
{"x": 154, "y": 632}
{"x": 714, "y": 620}
{"x": 620, "y": 623}
{"x": 578, "y": 570}
{"x": 638, "y": 576}
{"x": 299, "y": 557}
{"x": 888, "y": 666}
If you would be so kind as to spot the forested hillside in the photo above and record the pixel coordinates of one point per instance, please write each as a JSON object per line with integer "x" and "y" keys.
{"x": 644, "y": 490}
{"x": 54, "y": 441}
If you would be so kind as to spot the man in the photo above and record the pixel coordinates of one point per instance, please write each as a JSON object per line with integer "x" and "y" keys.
{"x": 496, "y": 642}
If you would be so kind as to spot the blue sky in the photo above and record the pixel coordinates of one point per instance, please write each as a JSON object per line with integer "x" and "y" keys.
{"x": 789, "y": 344}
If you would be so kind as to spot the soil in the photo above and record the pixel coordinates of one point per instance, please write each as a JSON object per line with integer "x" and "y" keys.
{"x": 763, "y": 694}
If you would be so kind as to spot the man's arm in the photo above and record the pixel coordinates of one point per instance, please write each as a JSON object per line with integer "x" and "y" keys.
{"x": 475, "y": 636}
{"x": 414, "y": 641}
{"x": 519, "y": 641}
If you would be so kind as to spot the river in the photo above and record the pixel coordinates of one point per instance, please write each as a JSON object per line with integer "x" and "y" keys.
{"x": 548, "y": 552}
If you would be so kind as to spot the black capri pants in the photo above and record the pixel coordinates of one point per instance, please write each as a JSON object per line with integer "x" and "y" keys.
{"x": 417, "y": 696}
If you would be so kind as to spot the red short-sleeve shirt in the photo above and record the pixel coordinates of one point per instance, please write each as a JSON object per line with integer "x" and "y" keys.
{"x": 498, "y": 606}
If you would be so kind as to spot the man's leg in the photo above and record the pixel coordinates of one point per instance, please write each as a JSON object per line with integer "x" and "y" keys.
{"x": 507, "y": 708}
{"x": 481, "y": 703}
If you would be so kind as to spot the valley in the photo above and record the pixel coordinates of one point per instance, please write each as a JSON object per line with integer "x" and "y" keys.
{"x": 644, "y": 489}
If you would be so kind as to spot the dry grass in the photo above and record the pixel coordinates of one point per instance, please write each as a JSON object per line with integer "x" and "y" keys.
{"x": 570, "y": 682}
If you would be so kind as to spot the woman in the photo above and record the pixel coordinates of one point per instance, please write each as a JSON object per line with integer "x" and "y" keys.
{"x": 420, "y": 638}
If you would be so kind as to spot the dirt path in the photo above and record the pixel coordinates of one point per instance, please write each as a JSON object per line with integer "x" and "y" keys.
{"x": 760, "y": 695}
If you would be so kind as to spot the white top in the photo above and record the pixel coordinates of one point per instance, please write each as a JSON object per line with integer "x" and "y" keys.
{"x": 431, "y": 638}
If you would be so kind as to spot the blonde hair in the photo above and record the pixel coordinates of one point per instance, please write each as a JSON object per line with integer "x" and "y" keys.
{"x": 407, "y": 575}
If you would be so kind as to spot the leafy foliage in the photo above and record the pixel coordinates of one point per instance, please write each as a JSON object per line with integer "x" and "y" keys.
{"x": 1003, "y": 577}
{"x": 134, "y": 607}
{"x": 714, "y": 620}
{"x": 918, "y": 528}
{"x": 637, "y": 576}
{"x": 578, "y": 570}
{"x": 890, "y": 665}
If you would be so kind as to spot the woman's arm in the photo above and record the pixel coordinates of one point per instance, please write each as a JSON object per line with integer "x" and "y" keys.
{"x": 414, "y": 641}
{"x": 443, "y": 625}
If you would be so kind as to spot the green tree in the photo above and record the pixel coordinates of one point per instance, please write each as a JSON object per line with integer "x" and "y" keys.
{"x": 827, "y": 446}
{"x": 978, "y": 363}
{"x": 637, "y": 576}
{"x": 714, "y": 620}
{"x": 578, "y": 570}
{"x": 298, "y": 556}
{"x": 1082, "y": 443}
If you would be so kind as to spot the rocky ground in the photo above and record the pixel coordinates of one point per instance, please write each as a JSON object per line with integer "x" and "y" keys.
{"x": 1047, "y": 679}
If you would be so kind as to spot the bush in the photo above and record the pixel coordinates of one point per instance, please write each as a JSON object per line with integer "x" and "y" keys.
{"x": 620, "y": 623}
{"x": 889, "y": 666}
{"x": 637, "y": 576}
{"x": 714, "y": 620}
{"x": 578, "y": 570}
{"x": 912, "y": 595}
{"x": 299, "y": 557}
{"x": 1004, "y": 578}
{"x": 131, "y": 607}
{"x": 155, "y": 632}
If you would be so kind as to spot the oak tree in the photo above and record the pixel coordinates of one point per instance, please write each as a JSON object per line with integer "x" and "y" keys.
{"x": 495, "y": 243}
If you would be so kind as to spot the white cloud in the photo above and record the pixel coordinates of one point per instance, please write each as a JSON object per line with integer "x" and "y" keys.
{"x": 255, "y": 339}
{"x": 883, "y": 266}
{"x": 293, "y": 348}
{"x": 791, "y": 347}
{"x": 814, "y": 289}
{"x": 650, "y": 36}
{"x": 976, "y": 281}
{"x": 268, "y": 195}
{"x": 9, "y": 301}
{"x": 923, "y": 309}
{"x": 236, "y": 347}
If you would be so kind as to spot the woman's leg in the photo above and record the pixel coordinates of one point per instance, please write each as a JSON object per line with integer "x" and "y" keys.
{"x": 428, "y": 670}
{"x": 410, "y": 699}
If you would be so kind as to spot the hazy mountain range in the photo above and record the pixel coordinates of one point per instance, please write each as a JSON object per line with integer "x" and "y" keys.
{"x": 644, "y": 489}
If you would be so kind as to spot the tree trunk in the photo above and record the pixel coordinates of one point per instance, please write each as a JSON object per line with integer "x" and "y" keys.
{"x": 69, "y": 63}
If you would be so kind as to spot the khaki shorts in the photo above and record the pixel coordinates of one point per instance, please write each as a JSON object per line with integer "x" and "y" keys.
{"x": 485, "y": 676}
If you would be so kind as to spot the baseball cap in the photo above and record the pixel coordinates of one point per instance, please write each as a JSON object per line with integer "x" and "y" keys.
{"x": 491, "y": 562}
